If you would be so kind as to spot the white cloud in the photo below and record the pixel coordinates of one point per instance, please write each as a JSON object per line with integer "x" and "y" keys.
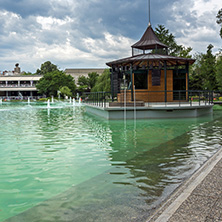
{"x": 109, "y": 45}
{"x": 9, "y": 20}
{"x": 201, "y": 7}
{"x": 89, "y": 33}
{"x": 194, "y": 24}
{"x": 50, "y": 22}
{"x": 96, "y": 54}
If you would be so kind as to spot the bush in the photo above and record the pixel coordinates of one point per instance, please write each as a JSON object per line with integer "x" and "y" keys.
{"x": 193, "y": 98}
{"x": 217, "y": 107}
{"x": 43, "y": 99}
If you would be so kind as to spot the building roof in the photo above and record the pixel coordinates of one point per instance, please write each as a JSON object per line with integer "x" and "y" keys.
{"x": 2, "y": 89}
{"x": 135, "y": 60}
{"x": 149, "y": 40}
{"x": 76, "y": 73}
{"x": 20, "y": 78}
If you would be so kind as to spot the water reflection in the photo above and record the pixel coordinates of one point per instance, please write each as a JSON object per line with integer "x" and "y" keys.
{"x": 139, "y": 165}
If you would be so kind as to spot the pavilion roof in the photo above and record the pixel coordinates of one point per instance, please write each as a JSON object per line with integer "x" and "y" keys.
{"x": 138, "y": 59}
{"x": 149, "y": 40}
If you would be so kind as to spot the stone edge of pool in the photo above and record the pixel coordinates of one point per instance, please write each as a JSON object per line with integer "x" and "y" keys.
{"x": 168, "y": 208}
{"x": 161, "y": 112}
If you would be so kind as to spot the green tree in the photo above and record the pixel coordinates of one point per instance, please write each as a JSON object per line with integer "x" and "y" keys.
{"x": 46, "y": 67}
{"x": 168, "y": 39}
{"x": 51, "y": 82}
{"x": 82, "y": 81}
{"x": 83, "y": 84}
{"x": 196, "y": 78}
{"x": 219, "y": 20}
{"x": 203, "y": 74}
{"x": 208, "y": 70}
{"x": 87, "y": 83}
{"x": 219, "y": 72}
{"x": 92, "y": 78}
{"x": 27, "y": 73}
{"x": 103, "y": 82}
{"x": 65, "y": 91}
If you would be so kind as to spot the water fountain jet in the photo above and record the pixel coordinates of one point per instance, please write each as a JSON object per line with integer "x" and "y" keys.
{"x": 48, "y": 104}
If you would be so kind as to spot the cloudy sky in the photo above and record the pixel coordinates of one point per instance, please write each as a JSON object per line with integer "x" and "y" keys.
{"x": 89, "y": 33}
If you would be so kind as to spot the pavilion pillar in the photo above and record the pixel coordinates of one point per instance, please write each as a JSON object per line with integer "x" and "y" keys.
{"x": 131, "y": 79}
{"x": 188, "y": 77}
{"x": 188, "y": 80}
{"x": 165, "y": 78}
{"x": 112, "y": 86}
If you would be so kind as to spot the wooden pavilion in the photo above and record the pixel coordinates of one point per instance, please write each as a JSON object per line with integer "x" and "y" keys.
{"x": 155, "y": 75}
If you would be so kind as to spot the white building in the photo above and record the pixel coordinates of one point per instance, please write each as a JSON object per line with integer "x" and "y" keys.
{"x": 13, "y": 85}
{"x": 17, "y": 86}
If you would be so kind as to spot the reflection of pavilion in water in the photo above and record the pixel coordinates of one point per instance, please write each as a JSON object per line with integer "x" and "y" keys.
{"x": 154, "y": 155}
{"x": 163, "y": 158}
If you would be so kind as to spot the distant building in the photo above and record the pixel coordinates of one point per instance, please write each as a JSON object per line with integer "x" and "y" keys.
{"x": 14, "y": 85}
{"x": 76, "y": 73}
{"x": 18, "y": 86}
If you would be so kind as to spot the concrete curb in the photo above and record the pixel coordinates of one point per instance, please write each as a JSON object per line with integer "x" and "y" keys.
{"x": 166, "y": 211}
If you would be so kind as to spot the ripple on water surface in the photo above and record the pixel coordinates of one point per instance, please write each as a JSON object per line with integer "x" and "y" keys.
{"x": 66, "y": 165}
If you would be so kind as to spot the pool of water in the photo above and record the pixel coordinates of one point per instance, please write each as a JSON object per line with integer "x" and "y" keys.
{"x": 61, "y": 164}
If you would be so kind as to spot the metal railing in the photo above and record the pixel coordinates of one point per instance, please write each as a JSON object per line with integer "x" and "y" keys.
{"x": 152, "y": 98}
{"x": 100, "y": 99}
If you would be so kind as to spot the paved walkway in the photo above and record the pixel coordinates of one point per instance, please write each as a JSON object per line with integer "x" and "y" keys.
{"x": 198, "y": 199}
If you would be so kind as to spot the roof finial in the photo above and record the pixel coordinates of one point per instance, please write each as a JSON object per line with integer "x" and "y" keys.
{"x": 149, "y": 12}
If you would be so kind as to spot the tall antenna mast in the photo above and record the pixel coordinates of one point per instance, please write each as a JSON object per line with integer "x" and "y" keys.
{"x": 149, "y": 12}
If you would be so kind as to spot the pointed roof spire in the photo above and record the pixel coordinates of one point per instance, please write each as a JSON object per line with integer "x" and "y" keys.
{"x": 149, "y": 40}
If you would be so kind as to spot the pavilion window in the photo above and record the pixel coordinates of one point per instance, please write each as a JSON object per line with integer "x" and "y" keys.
{"x": 179, "y": 84}
{"x": 156, "y": 76}
{"x": 141, "y": 80}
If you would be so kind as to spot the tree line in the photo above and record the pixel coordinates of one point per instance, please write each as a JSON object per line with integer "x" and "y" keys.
{"x": 56, "y": 82}
{"x": 206, "y": 72}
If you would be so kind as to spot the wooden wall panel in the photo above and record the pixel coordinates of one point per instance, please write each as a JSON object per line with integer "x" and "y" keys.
{"x": 160, "y": 97}
{"x": 152, "y": 94}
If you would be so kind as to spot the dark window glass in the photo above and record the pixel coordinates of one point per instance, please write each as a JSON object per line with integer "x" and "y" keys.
{"x": 140, "y": 80}
{"x": 179, "y": 85}
{"x": 156, "y": 75}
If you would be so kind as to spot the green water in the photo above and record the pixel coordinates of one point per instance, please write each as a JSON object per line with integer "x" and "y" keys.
{"x": 61, "y": 164}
